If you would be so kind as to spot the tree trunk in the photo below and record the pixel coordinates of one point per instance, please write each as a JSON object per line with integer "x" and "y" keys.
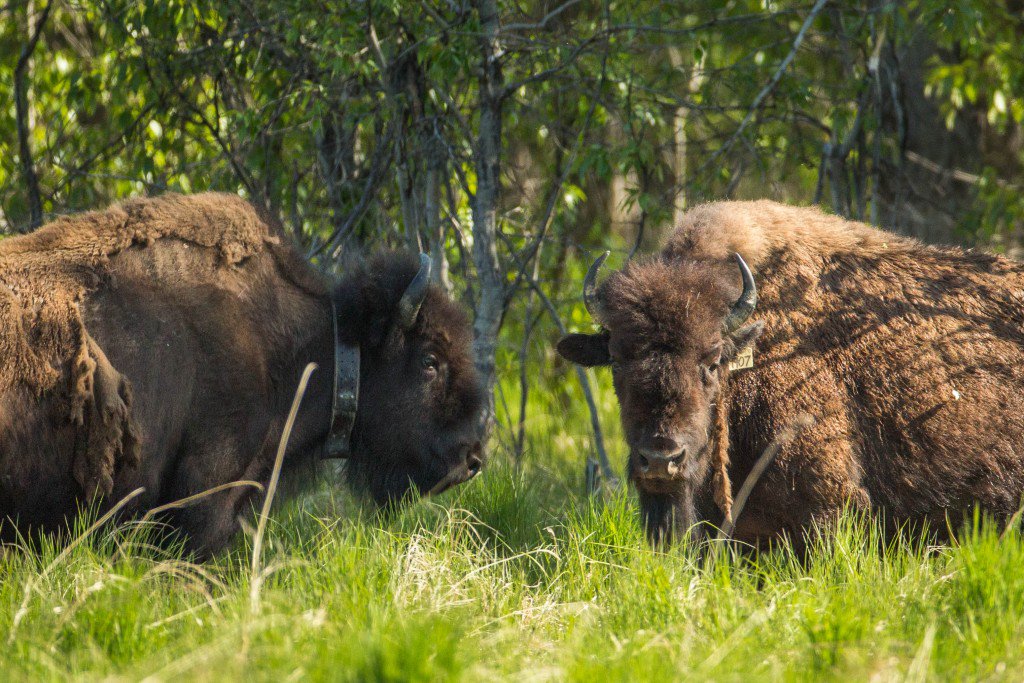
{"x": 433, "y": 226}
{"x": 407, "y": 195}
{"x": 491, "y": 300}
{"x": 680, "y": 116}
{"x": 35, "y": 202}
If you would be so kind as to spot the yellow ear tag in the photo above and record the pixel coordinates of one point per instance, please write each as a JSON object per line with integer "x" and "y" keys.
{"x": 743, "y": 360}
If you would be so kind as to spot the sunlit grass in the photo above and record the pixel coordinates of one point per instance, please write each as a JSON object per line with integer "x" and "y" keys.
{"x": 516, "y": 576}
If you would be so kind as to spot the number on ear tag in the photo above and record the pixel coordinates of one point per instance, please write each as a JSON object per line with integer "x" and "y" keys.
{"x": 743, "y": 360}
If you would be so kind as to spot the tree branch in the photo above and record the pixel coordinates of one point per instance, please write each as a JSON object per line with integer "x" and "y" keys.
{"x": 35, "y": 202}
{"x": 768, "y": 88}
{"x": 541, "y": 25}
{"x": 381, "y": 157}
{"x": 588, "y": 393}
{"x": 532, "y": 249}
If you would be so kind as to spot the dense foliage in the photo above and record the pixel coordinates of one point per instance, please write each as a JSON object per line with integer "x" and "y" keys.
{"x": 289, "y": 102}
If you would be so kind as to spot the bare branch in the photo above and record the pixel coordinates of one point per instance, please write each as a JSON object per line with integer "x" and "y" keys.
{"x": 35, "y": 202}
{"x": 588, "y": 393}
{"x": 955, "y": 173}
{"x": 378, "y": 53}
{"x": 531, "y": 251}
{"x": 381, "y": 158}
{"x": 768, "y": 88}
{"x": 116, "y": 141}
{"x": 541, "y": 25}
{"x": 561, "y": 66}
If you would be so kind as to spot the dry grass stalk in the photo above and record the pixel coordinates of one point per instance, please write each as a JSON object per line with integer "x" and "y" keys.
{"x": 256, "y": 580}
{"x": 767, "y": 457}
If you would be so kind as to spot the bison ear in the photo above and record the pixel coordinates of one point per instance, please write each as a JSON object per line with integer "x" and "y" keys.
{"x": 364, "y": 314}
{"x": 744, "y": 337}
{"x": 587, "y": 350}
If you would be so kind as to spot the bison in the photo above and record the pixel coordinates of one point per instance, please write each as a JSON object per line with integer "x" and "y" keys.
{"x": 159, "y": 343}
{"x": 908, "y": 360}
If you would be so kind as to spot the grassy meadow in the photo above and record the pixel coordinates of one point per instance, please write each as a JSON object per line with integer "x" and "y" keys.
{"x": 516, "y": 576}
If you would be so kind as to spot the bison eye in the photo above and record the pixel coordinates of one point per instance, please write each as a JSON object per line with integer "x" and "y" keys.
{"x": 430, "y": 364}
{"x": 713, "y": 358}
{"x": 710, "y": 363}
{"x": 707, "y": 373}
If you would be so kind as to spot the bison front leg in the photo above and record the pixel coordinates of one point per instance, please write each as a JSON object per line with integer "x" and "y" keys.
{"x": 211, "y": 524}
{"x": 214, "y": 484}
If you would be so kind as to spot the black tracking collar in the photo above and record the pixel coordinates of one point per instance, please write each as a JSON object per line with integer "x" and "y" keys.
{"x": 346, "y": 395}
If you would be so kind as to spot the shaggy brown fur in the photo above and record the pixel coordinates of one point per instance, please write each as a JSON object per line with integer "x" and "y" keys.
{"x": 158, "y": 344}
{"x": 46, "y": 275}
{"x": 910, "y": 358}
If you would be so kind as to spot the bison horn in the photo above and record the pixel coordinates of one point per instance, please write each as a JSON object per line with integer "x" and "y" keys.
{"x": 412, "y": 299}
{"x": 590, "y": 288}
{"x": 744, "y": 306}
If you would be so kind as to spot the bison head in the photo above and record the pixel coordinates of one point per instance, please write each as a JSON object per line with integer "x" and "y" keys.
{"x": 416, "y": 425}
{"x": 670, "y": 329}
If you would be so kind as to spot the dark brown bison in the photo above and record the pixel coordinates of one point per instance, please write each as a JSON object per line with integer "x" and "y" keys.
{"x": 909, "y": 359}
{"x": 159, "y": 344}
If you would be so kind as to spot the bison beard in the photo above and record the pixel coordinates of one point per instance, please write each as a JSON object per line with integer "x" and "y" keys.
{"x": 157, "y": 344}
{"x": 668, "y": 516}
{"x": 908, "y": 361}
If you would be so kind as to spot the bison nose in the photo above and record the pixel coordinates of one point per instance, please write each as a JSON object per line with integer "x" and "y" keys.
{"x": 660, "y": 465}
{"x": 473, "y": 461}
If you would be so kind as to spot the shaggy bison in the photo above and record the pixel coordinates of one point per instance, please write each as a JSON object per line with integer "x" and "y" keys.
{"x": 908, "y": 358}
{"x": 159, "y": 343}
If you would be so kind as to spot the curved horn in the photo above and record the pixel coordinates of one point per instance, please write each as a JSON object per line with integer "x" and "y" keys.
{"x": 744, "y": 306}
{"x": 590, "y": 287}
{"x": 409, "y": 305}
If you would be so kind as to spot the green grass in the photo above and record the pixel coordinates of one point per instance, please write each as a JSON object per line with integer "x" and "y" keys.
{"x": 515, "y": 576}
